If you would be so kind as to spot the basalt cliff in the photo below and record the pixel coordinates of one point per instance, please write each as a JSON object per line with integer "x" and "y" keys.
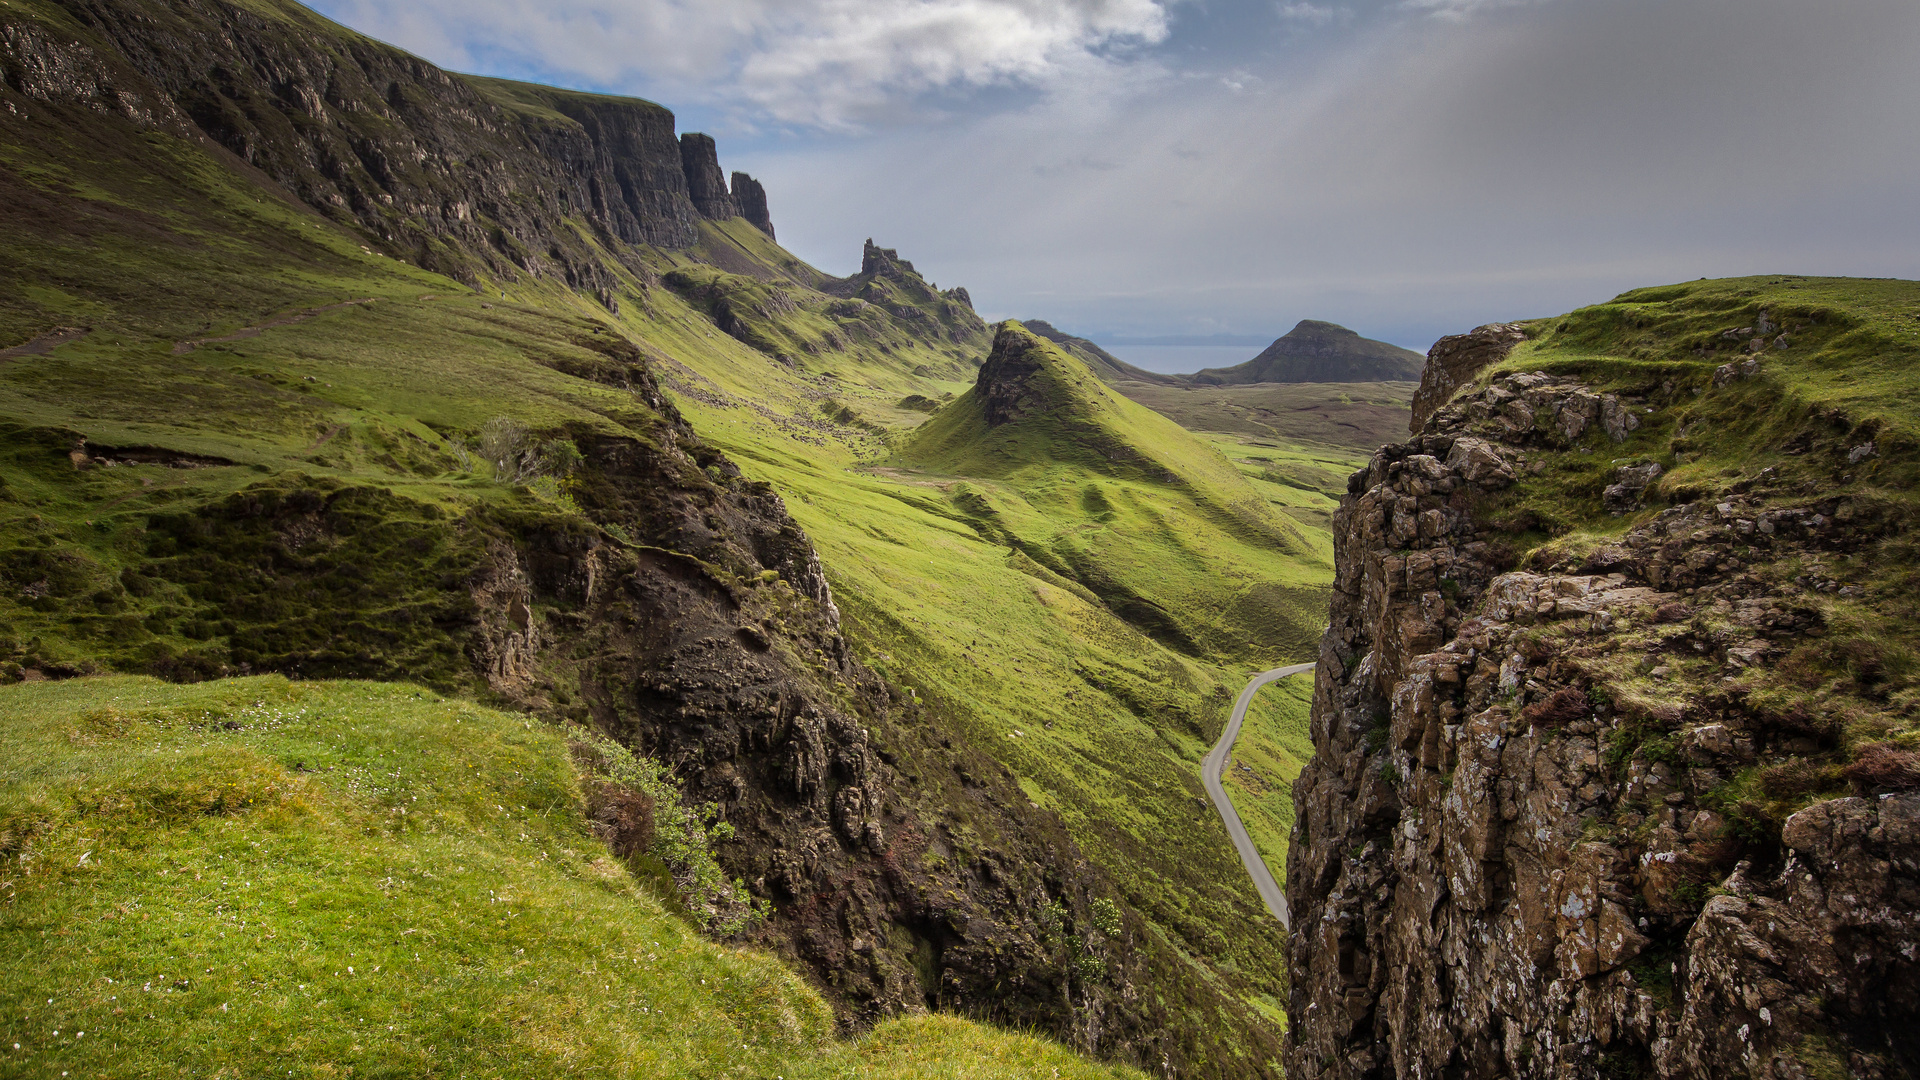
{"x": 1615, "y": 769}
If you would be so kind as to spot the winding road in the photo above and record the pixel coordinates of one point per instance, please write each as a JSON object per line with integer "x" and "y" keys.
{"x": 1216, "y": 763}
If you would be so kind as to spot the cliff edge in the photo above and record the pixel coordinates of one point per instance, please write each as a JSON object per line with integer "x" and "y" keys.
{"x": 1615, "y": 768}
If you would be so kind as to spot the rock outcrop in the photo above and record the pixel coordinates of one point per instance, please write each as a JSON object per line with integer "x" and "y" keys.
{"x": 1537, "y": 837}
{"x": 1319, "y": 352}
{"x": 466, "y": 176}
{"x": 706, "y": 184}
{"x": 751, "y": 197}
{"x": 890, "y": 283}
{"x": 1454, "y": 361}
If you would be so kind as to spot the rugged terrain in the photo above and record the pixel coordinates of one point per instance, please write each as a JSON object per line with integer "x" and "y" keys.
{"x": 326, "y": 363}
{"x": 1615, "y": 766}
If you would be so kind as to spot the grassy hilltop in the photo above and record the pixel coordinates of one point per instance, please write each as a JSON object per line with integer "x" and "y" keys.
{"x": 261, "y": 877}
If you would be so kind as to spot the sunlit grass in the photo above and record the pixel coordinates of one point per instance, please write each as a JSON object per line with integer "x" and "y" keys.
{"x": 257, "y": 877}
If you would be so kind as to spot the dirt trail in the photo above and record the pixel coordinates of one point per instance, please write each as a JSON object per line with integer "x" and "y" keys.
{"x": 255, "y": 331}
{"x": 45, "y": 343}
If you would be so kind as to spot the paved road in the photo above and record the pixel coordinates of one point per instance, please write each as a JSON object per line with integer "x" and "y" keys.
{"x": 1210, "y": 771}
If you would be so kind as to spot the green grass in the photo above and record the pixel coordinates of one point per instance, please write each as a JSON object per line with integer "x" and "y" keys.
{"x": 1791, "y": 434}
{"x": 1273, "y": 747}
{"x": 1084, "y": 627}
{"x": 1350, "y": 417}
{"x": 263, "y": 877}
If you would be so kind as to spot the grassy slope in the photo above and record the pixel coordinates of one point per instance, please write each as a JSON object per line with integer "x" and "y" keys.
{"x": 1849, "y": 376}
{"x": 1351, "y": 416}
{"x": 258, "y": 877}
{"x": 1100, "y": 721}
{"x": 151, "y": 242}
{"x": 381, "y": 396}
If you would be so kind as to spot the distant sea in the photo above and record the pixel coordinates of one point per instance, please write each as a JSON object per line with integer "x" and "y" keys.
{"x": 1183, "y": 359}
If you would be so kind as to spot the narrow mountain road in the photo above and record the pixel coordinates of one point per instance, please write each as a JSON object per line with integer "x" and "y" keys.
{"x": 1216, "y": 763}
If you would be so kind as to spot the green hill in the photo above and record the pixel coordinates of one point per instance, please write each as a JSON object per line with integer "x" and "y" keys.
{"x": 615, "y": 466}
{"x": 1122, "y": 501}
{"x": 1320, "y": 352}
{"x": 263, "y": 877}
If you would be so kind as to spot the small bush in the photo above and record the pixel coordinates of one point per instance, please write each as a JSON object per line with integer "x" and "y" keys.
{"x": 1884, "y": 767}
{"x": 659, "y": 825}
{"x": 1567, "y": 705}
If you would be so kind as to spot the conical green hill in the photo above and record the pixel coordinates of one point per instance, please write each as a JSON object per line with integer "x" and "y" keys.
{"x": 1036, "y": 407}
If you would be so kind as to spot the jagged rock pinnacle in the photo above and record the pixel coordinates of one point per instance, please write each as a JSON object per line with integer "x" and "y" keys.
{"x": 706, "y": 184}
{"x": 751, "y": 199}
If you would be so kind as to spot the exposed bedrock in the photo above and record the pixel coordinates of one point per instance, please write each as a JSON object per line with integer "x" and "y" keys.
{"x": 466, "y": 176}
{"x": 751, "y": 198}
{"x": 1505, "y": 863}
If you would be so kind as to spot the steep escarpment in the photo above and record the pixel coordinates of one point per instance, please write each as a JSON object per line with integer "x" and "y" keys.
{"x": 1616, "y": 771}
{"x": 465, "y": 176}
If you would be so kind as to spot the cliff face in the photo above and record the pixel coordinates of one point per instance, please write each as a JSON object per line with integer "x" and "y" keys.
{"x": 1603, "y": 814}
{"x": 751, "y": 198}
{"x": 461, "y": 175}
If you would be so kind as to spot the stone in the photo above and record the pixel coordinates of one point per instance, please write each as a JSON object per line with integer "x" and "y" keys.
{"x": 1456, "y": 361}
{"x": 1630, "y": 482}
{"x": 706, "y": 184}
{"x": 750, "y": 197}
{"x": 1518, "y": 878}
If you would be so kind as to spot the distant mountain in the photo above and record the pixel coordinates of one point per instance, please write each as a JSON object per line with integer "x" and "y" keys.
{"x": 1104, "y": 364}
{"x": 1320, "y": 352}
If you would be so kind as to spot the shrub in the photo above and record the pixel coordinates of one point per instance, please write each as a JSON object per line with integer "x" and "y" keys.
{"x": 645, "y": 803}
{"x": 1884, "y": 767}
{"x": 1567, "y": 705}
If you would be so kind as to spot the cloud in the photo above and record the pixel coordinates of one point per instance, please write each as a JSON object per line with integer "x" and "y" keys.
{"x": 1408, "y": 171}
{"x": 818, "y": 63}
{"x": 1423, "y": 178}
{"x": 1459, "y": 10}
{"x": 1312, "y": 14}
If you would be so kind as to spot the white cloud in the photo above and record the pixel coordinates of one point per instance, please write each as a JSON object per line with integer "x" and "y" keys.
{"x": 819, "y": 63}
{"x": 1311, "y": 14}
{"x": 1460, "y": 10}
{"x": 1424, "y": 179}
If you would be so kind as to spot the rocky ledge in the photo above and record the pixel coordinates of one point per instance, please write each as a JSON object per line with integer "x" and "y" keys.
{"x": 1534, "y": 838}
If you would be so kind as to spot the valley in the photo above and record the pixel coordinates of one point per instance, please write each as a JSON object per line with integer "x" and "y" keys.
{"x": 472, "y": 602}
{"x": 943, "y": 665}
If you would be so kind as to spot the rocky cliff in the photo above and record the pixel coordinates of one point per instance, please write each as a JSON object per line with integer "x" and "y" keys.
{"x": 1596, "y": 790}
{"x": 467, "y": 176}
{"x": 652, "y": 593}
{"x": 751, "y": 197}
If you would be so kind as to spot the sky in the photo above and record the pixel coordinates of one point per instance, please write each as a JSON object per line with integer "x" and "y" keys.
{"x": 1130, "y": 168}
